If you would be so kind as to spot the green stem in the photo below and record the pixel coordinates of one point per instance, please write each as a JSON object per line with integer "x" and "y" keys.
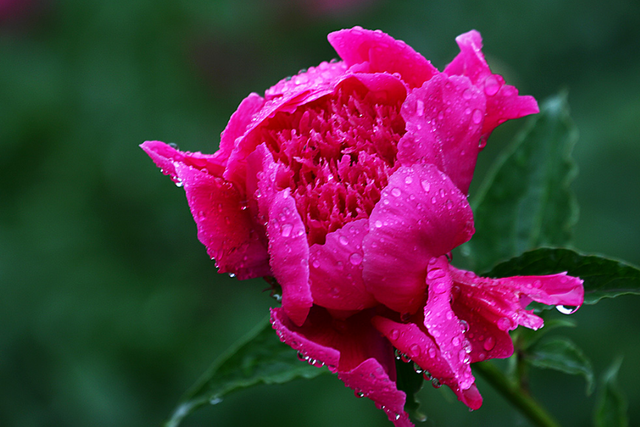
{"x": 510, "y": 391}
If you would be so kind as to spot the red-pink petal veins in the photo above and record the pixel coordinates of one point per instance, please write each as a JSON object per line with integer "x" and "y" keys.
{"x": 444, "y": 122}
{"x": 421, "y": 214}
{"x": 413, "y": 340}
{"x": 288, "y": 247}
{"x": 503, "y": 102}
{"x": 336, "y": 269}
{"x": 376, "y": 52}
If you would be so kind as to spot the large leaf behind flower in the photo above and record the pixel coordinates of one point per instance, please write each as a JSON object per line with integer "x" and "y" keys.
{"x": 258, "y": 358}
{"x": 526, "y": 202}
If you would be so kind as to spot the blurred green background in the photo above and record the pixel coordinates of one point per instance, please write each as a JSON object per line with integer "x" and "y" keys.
{"x": 110, "y": 307}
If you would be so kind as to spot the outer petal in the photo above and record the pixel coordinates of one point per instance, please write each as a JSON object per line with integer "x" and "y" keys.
{"x": 354, "y": 349}
{"x": 336, "y": 269}
{"x": 443, "y": 325}
{"x": 492, "y": 307}
{"x": 414, "y": 341}
{"x": 238, "y": 123}
{"x": 288, "y": 245}
{"x": 444, "y": 121}
{"x": 421, "y": 214}
{"x": 376, "y": 52}
{"x": 226, "y": 230}
{"x": 503, "y": 102}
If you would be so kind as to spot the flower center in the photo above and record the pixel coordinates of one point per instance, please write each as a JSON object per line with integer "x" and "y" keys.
{"x": 337, "y": 153}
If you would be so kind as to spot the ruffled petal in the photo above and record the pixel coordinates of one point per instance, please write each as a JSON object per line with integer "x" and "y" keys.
{"x": 492, "y": 307}
{"x": 421, "y": 214}
{"x": 376, "y": 52}
{"x": 288, "y": 246}
{"x": 224, "y": 227}
{"x": 336, "y": 269}
{"x": 354, "y": 349}
{"x": 444, "y": 122}
{"x": 503, "y": 102}
{"x": 419, "y": 347}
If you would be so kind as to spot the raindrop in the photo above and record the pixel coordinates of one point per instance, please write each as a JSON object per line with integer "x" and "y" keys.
{"x": 504, "y": 324}
{"x": 489, "y": 344}
{"x": 427, "y": 375}
{"x": 359, "y": 394}
{"x": 476, "y": 116}
{"x": 302, "y": 357}
{"x": 491, "y": 86}
{"x": 464, "y": 357}
{"x": 355, "y": 258}
{"x": 449, "y": 204}
{"x": 343, "y": 240}
{"x": 378, "y": 224}
{"x": 408, "y": 180}
{"x": 467, "y": 94}
{"x": 435, "y": 273}
{"x": 567, "y": 309}
{"x": 436, "y": 383}
{"x": 464, "y": 326}
{"x": 179, "y": 183}
{"x": 232, "y": 275}
{"x": 394, "y": 335}
{"x": 316, "y": 263}
{"x": 455, "y": 341}
{"x": 286, "y": 230}
{"x": 215, "y": 400}
{"x": 432, "y": 352}
{"x": 417, "y": 368}
{"x": 396, "y": 192}
{"x": 426, "y": 186}
{"x": 415, "y": 350}
{"x": 419, "y": 107}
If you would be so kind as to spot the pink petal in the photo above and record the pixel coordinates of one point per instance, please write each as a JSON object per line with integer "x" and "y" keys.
{"x": 419, "y": 347}
{"x": 443, "y": 325}
{"x": 238, "y": 123}
{"x": 421, "y": 214}
{"x": 166, "y": 157}
{"x": 376, "y": 52}
{"x": 503, "y": 102}
{"x": 444, "y": 122}
{"x": 224, "y": 227}
{"x": 352, "y": 348}
{"x": 288, "y": 246}
{"x": 336, "y": 269}
{"x": 492, "y": 307}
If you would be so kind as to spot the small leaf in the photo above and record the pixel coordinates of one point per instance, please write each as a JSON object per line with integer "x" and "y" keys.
{"x": 258, "y": 358}
{"x": 562, "y": 355}
{"x": 525, "y": 202}
{"x": 410, "y": 382}
{"x": 603, "y": 277}
{"x": 611, "y": 409}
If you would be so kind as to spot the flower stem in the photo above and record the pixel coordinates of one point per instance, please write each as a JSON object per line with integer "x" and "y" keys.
{"x": 518, "y": 398}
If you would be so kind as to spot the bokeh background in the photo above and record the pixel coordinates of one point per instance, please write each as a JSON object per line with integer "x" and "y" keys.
{"x": 109, "y": 306}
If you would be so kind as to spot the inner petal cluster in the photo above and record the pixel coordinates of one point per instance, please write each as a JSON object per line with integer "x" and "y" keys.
{"x": 336, "y": 154}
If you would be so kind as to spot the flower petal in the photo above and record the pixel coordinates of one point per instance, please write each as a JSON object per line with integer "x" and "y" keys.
{"x": 336, "y": 269}
{"x": 288, "y": 246}
{"x": 238, "y": 123}
{"x": 224, "y": 227}
{"x": 354, "y": 349}
{"x": 413, "y": 341}
{"x": 492, "y": 307}
{"x": 503, "y": 102}
{"x": 421, "y": 214}
{"x": 376, "y": 52}
{"x": 444, "y": 121}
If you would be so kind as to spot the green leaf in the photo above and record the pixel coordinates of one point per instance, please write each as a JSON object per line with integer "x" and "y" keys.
{"x": 258, "y": 358}
{"x": 525, "y": 202}
{"x": 603, "y": 277}
{"x": 562, "y": 355}
{"x": 611, "y": 409}
{"x": 410, "y": 382}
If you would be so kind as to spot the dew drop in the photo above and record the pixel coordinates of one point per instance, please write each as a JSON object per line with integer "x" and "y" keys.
{"x": 415, "y": 350}
{"x": 464, "y": 326}
{"x": 434, "y": 200}
{"x": 489, "y": 344}
{"x": 467, "y": 94}
{"x": 359, "y": 394}
{"x": 343, "y": 240}
{"x": 378, "y": 224}
{"x": 432, "y": 352}
{"x": 286, "y": 230}
{"x": 396, "y": 192}
{"x": 455, "y": 341}
{"x": 394, "y": 335}
{"x": 476, "y": 116}
{"x": 215, "y": 400}
{"x": 316, "y": 263}
{"x": 435, "y": 273}
{"x": 419, "y": 107}
{"x": 355, "y": 258}
{"x": 504, "y": 323}
{"x": 436, "y": 383}
{"x": 464, "y": 356}
{"x": 417, "y": 368}
{"x": 408, "y": 180}
{"x": 567, "y": 309}
{"x": 449, "y": 204}
{"x": 491, "y": 86}
{"x": 426, "y": 185}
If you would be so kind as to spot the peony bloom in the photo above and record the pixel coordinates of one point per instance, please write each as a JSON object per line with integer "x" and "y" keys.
{"x": 348, "y": 183}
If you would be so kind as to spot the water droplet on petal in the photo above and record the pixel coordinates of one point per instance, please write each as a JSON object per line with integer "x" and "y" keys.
{"x": 489, "y": 344}
{"x": 419, "y": 107}
{"x": 449, "y": 204}
{"x": 432, "y": 352}
{"x": 491, "y": 86}
{"x": 436, "y": 383}
{"x": 415, "y": 350}
{"x": 343, "y": 240}
{"x": 464, "y": 326}
{"x": 464, "y": 356}
{"x": 426, "y": 185}
{"x": 316, "y": 263}
{"x": 378, "y": 224}
{"x": 355, "y": 258}
{"x": 286, "y": 230}
{"x": 567, "y": 309}
{"x": 455, "y": 341}
{"x": 408, "y": 180}
{"x": 394, "y": 335}
{"x": 477, "y": 116}
{"x": 396, "y": 192}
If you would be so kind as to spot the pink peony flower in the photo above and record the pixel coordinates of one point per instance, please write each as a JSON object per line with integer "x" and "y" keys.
{"x": 347, "y": 183}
